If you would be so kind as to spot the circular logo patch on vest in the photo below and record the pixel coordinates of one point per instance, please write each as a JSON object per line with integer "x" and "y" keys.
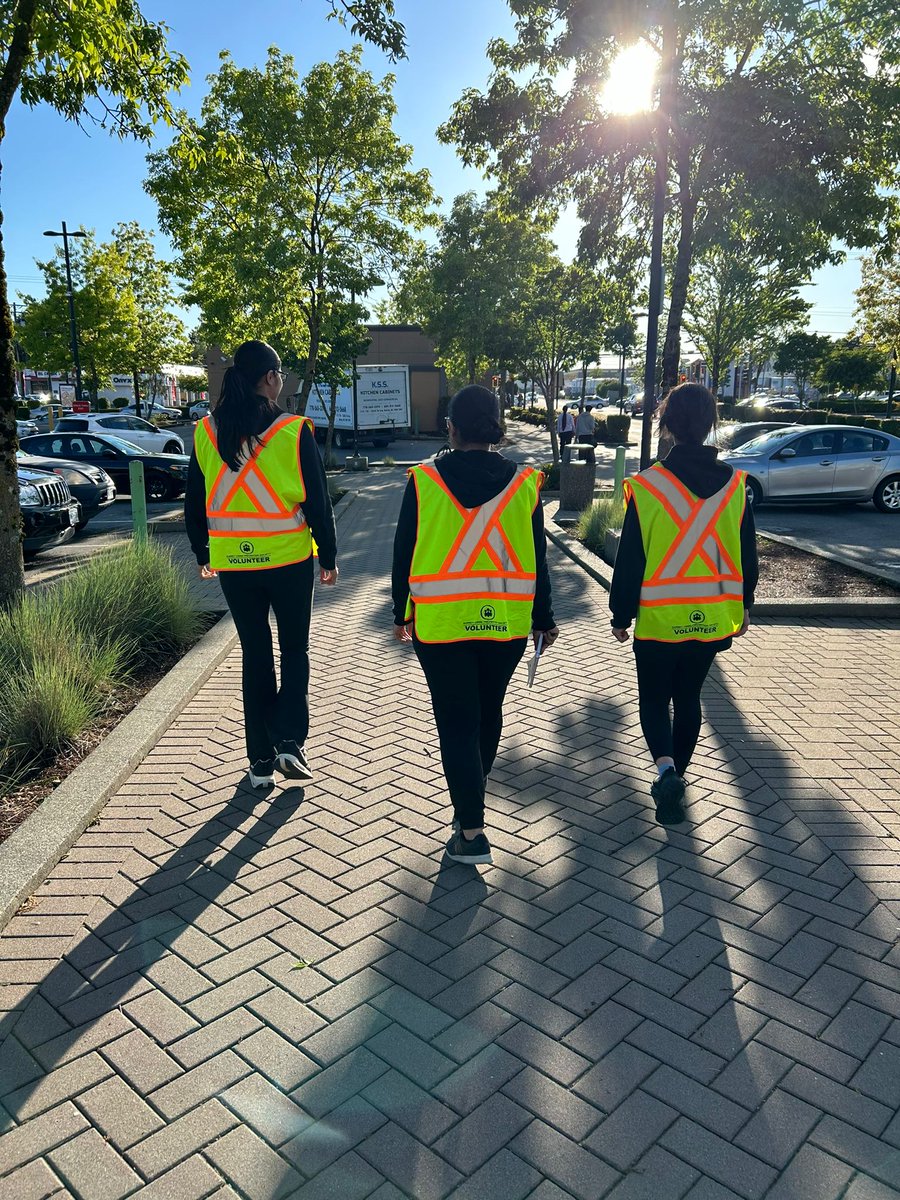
{"x": 488, "y": 612}
{"x": 246, "y": 547}
{"x": 698, "y": 617}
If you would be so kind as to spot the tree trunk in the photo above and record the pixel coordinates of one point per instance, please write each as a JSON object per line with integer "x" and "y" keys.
{"x": 680, "y": 281}
{"x": 12, "y": 570}
{"x": 584, "y": 371}
{"x": 136, "y": 376}
{"x": 716, "y": 372}
{"x": 471, "y": 367}
{"x": 329, "y": 433}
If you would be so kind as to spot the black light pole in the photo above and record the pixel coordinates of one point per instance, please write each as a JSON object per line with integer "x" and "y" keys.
{"x": 73, "y": 328}
{"x": 355, "y": 397}
{"x": 664, "y": 116}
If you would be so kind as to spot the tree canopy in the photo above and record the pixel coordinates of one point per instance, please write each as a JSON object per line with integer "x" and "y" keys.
{"x": 298, "y": 189}
{"x": 878, "y": 303}
{"x": 799, "y": 355}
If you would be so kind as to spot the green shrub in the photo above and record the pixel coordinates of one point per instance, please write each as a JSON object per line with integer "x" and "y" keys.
{"x": 23, "y": 412}
{"x": 551, "y": 476}
{"x": 596, "y": 521}
{"x": 120, "y": 402}
{"x": 601, "y": 432}
{"x": 618, "y": 427}
{"x": 102, "y": 404}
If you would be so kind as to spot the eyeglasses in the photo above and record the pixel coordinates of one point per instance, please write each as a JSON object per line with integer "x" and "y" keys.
{"x": 283, "y": 375}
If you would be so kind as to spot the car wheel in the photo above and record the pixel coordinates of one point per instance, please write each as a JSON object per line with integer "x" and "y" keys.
{"x": 158, "y": 487}
{"x": 887, "y": 495}
{"x": 754, "y": 492}
{"x": 172, "y": 448}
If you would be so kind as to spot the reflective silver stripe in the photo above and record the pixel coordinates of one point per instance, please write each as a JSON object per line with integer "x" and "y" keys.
{"x": 698, "y": 589}
{"x": 470, "y": 585}
{"x": 689, "y": 547}
{"x": 251, "y": 523}
{"x": 483, "y": 518}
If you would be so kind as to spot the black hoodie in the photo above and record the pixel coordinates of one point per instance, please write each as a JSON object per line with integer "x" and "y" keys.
{"x": 474, "y": 477}
{"x": 699, "y": 469}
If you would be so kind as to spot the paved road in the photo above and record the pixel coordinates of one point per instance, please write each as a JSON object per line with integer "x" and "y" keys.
{"x": 613, "y": 1011}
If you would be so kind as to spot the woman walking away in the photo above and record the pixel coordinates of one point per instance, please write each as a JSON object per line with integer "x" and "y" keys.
{"x": 470, "y": 582}
{"x": 687, "y": 570}
{"x": 256, "y": 497}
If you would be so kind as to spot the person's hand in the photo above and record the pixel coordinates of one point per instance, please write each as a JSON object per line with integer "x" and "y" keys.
{"x": 206, "y": 572}
{"x": 549, "y": 636}
{"x": 329, "y": 578}
{"x": 402, "y": 633}
{"x": 621, "y": 635}
{"x": 746, "y": 625}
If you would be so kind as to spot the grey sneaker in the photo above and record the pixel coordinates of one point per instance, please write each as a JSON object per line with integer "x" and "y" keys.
{"x": 464, "y": 850}
{"x": 668, "y": 793}
{"x": 292, "y": 762}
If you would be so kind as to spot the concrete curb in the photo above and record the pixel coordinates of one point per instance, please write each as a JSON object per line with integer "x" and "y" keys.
{"x": 29, "y": 855}
{"x": 811, "y": 607}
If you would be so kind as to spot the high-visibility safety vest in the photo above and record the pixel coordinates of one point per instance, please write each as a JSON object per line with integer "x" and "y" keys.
{"x": 254, "y": 515}
{"x": 693, "y": 588}
{"x": 473, "y": 569}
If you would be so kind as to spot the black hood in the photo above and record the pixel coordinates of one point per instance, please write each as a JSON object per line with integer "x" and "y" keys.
{"x": 475, "y": 476}
{"x": 698, "y": 468}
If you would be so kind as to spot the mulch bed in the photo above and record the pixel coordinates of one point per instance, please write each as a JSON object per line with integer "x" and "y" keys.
{"x": 786, "y": 573}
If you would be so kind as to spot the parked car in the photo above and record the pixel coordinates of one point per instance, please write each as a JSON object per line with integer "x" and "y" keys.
{"x": 165, "y": 475}
{"x": 24, "y": 428}
{"x": 785, "y": 404}
{"x": 199, "y": 410}
{"x": 121, "y": 425}
{"x": 729, "y": 437}
{"x": 91, "y": 486}
{"x": 821, "y": 462}
{"x": 50, "y": 514}
{"x": 158, "y": 410}
{"x": 39, "y": 414}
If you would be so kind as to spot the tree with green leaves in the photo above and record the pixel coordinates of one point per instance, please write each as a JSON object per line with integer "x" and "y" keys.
{"x": 598, "y": 299}
{"x": 106, "y": 312}
{"x": 798, "y": 86}
{"x": 299, "y": 189}
{"x": 99, "y": 63}
{"x": 373, "y": 20}
{"x": 345, "y": 337}
{"x": 160, "y": 335}
{"x": 849, "y": 366}
{"x": 467, "y": 289}
{"x": 878, "y": 303}
{"x": 737, "y": 299}
{"x": 799, "y": 355}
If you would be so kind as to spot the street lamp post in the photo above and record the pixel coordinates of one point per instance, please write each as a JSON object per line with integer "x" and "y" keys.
{"x": 73, "y": 328}
{"x": 355, "y": 391}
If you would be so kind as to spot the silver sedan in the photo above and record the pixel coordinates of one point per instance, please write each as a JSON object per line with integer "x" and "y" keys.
{"x": 821, "y": 462}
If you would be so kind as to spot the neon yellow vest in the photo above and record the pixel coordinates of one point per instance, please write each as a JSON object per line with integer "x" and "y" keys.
{"x": 693, "y": 587}
{"x": 254, "y": 515}
{"x": 474, "y": 569}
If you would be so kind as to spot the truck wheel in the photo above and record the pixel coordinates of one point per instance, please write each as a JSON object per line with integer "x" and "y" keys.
{"x": 339, "y": 439}
{"x": 380, "y": 443}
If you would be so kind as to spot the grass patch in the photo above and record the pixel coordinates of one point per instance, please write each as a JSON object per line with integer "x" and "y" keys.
{"x": 387, "y": 461}
{"x": 64, "y": 650}
{"x": 595, "y": 522}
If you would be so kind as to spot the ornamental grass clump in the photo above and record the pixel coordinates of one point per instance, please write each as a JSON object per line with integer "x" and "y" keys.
{"x": 595, "y": 522}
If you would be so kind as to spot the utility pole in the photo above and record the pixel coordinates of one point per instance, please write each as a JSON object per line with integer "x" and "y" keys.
{"x": 73, "y": 328}
{"x": 663, "y": 120}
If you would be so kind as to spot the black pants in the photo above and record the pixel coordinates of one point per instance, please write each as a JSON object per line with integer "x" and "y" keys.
{"x": 672, "y": 673}
{"x": 271, "y": 713}
{"x": 468, "y": 681}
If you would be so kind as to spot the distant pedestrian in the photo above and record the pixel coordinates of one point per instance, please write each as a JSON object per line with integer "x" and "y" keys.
{"x": 687, "y": 570}
{"x": 470, "y": 583}
{"x": 586, "y": 431}
{"x": 565, "y": 427}
{"x": 256, "y": 497}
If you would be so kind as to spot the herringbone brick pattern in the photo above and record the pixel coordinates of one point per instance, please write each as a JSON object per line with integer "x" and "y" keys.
{"x": 220, "y": 995}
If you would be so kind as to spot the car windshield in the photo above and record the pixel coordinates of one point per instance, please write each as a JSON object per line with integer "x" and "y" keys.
{"x": 768, "y": 441}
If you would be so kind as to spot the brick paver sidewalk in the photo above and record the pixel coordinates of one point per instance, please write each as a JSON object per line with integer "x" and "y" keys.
{"x": 613, "y": 1010}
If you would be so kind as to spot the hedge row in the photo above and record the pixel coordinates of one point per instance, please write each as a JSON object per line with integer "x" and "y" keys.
{"x": 821, "y": 416}
{"x": 614, "y": 428}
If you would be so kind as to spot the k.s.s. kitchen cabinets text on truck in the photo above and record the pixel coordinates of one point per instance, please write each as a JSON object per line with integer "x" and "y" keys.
{"x": 382, "y": 402}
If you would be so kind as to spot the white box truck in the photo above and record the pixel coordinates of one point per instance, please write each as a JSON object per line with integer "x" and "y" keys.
{"x": 382, "y": 400}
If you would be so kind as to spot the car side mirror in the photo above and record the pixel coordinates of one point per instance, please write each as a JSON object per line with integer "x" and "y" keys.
{"x": 787, "y": 452}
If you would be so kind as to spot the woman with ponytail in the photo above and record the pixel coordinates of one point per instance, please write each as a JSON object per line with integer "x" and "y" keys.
{"x": 470, "y": 583}
{"x": 256, "y": 497}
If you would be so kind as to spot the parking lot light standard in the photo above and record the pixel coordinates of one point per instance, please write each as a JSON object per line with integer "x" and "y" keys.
{"x": 73, "y": 328}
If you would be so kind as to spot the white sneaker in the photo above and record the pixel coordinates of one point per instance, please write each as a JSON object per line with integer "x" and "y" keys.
{"x": 292, "y": 762}
{"x": 261, "y": 774}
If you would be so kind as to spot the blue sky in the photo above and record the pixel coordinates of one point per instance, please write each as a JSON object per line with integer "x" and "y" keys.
{"x": 52, "y": 171}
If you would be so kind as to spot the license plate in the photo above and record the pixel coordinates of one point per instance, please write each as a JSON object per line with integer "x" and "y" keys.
{"x": 73, "y": 514}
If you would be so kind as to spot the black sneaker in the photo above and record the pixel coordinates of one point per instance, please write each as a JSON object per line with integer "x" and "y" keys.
{"x": 464, "y": 850}
{"x": 668, "y": 792}
{"x": 291, "y": 761}
{"x": 262, "y": 773}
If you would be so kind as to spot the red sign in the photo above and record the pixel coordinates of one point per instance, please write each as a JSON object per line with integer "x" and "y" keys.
{"x": 81, "y": 406}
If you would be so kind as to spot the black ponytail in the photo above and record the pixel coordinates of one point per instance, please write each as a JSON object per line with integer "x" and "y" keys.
{"x": 475, "y": 413}
{"x": 240, "y": 411}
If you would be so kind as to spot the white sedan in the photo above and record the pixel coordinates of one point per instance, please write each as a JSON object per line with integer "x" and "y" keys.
{"x": 132, "y": 429}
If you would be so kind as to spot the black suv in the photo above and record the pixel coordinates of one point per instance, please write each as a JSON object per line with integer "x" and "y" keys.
{"x": 49, "y": 512}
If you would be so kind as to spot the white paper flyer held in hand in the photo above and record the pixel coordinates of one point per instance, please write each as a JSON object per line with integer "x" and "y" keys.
{"x": 533, "y": 662}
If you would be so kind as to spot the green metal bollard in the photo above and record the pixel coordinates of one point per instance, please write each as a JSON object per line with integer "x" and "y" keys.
{"x": 620, "y": 473}
{"x": 138, "y": 501}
